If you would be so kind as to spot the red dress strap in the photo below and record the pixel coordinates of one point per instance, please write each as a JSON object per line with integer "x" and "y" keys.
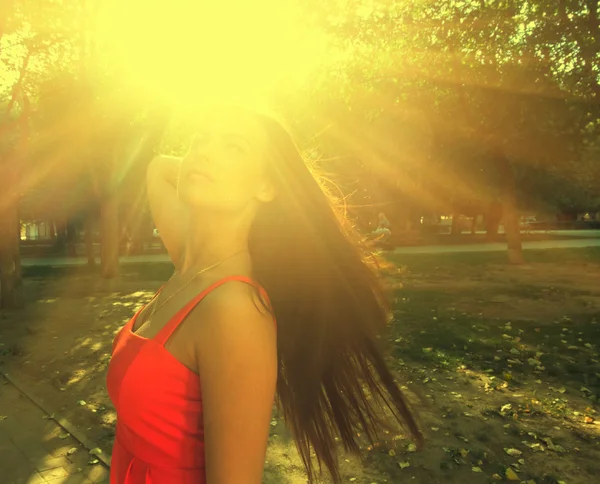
{"x": 166, "y": 332}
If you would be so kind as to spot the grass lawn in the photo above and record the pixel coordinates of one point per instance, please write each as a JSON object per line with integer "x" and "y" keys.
{"x": 501, "y": 363}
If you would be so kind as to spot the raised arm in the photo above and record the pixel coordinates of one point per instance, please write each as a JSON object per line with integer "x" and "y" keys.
{"x": 167, "y": 211}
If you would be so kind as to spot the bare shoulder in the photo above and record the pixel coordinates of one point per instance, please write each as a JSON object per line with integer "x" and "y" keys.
{"x": 235, "y": 297}
{"x": 232, "y": 314}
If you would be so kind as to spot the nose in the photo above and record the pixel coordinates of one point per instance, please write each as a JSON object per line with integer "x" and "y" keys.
{"x": 202, "y": 149}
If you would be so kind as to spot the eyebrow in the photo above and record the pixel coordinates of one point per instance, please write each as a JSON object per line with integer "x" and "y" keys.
{"x": 238, "y": 137}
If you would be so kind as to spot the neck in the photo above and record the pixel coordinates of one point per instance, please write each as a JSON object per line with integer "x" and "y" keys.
{"x": 213, "y": 238}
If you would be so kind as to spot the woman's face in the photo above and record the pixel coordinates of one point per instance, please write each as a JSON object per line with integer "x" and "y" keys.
{"x": 225, "y": 168}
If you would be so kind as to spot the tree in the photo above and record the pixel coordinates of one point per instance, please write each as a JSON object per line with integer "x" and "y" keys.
{"x": 493, "y": 79}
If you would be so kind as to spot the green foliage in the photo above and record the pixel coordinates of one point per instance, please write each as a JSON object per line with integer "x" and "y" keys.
{"x": 433, "y": 88}
{"x": 410, "y": 106}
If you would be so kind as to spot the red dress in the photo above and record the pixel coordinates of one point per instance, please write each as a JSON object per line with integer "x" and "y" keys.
{"x": 159, "y": 437}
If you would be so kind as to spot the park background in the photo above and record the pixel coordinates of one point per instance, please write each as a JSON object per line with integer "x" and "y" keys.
{"x": 472, "y": 124}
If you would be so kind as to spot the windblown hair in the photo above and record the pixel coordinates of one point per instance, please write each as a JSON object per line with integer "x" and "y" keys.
{"x": 330, "y": 308}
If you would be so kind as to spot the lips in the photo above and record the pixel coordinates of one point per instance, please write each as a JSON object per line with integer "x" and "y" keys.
{"x": 200, "y": 174}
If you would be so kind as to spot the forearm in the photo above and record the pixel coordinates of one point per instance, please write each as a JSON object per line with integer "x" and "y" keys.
{"x": 167, "y": 210}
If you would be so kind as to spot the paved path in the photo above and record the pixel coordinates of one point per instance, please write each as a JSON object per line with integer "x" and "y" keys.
{"x": 575, "y": 243}
{"x": 36, "y": 450}
{"x": 78, "y": 261}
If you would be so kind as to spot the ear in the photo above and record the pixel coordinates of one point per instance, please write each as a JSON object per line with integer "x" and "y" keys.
{"x": 266, "y": 193}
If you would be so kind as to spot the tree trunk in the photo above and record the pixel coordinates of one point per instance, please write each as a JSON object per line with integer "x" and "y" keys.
{"x": 52, "y": 230}
{"x": 71, "y": 238}
{"x": 61, "y": 236}
{"x": 11, "y": 295}
{"x": 512, "y": 227}
{"x": 492, "y": 219}
{"x": 11, "y": 285}
{"x": 89, "y": 239}
{"x": 456, "y": 229}
{"x": 513, "y": 232}
{"x": 109, "y": 230}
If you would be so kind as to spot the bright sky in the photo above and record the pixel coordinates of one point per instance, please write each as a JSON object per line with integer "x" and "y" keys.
{"x": 191, "y": 52}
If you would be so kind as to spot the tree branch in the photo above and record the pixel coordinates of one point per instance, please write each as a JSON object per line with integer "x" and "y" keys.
{"x": 17, "y": 87}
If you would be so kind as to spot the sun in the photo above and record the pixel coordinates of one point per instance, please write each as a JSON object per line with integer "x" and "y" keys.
{"x": 188, "y": 54}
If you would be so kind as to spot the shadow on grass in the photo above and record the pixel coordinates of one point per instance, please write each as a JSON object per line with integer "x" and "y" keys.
{"x": 563, "y": 350}
{"x": 470, "y": 366}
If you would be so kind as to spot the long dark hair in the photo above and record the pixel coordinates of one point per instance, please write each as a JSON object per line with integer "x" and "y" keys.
{"x": 330, "y": 308}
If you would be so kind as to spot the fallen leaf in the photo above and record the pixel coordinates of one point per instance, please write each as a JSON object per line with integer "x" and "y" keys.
{"x": 535, "y": 447}
{"x": 553, "y": 447}
{"x": 411, "y": 448}
{"x": 588, "y": 420}
{"x": 82, "y": 402}
{"x": 392, "y": 453}
{"x": 72, "y": 450}
{"x": 513, "y": 452}
{"x": 64, "y": 436}
{"x": 403, "y": 465}
{"x": 476, "y": 469}
{"x": 96, "y": 451}
{"x": 3, "y": 417}
{"x": 511, "y": 475}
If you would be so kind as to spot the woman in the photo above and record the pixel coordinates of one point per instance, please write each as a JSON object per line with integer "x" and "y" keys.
{"x": 269, "y": 298}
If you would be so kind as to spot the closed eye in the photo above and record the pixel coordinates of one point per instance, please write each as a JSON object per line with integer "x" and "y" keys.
{"x": 238, "y": 148}
{"x": 237, "y": 142}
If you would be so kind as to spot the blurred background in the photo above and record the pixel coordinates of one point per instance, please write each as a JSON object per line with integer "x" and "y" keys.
{"x": 445, "y": 127}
